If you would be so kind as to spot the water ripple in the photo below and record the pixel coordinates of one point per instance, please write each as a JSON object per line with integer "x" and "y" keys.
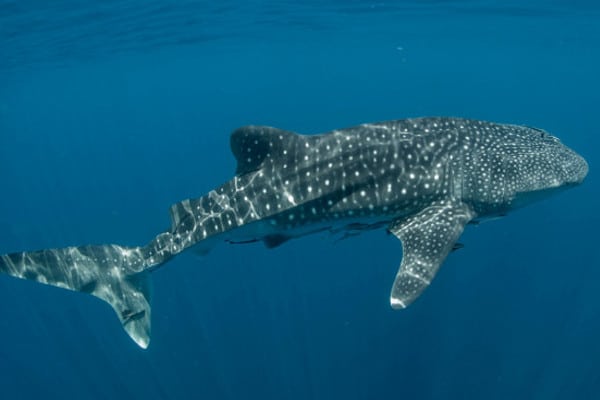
{"x": 61, "y": 31}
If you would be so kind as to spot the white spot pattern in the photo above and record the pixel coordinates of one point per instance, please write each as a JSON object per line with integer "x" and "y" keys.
{"x": 423, "y": 178}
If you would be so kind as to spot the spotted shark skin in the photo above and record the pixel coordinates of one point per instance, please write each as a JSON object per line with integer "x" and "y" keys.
{"x": 422, "y": 179}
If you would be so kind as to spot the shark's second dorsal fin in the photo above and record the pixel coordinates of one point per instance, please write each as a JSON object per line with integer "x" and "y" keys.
{"x": 253, "y": 145}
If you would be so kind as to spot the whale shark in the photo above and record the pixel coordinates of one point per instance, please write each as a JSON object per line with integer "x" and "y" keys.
{"x": 421, "y": 179}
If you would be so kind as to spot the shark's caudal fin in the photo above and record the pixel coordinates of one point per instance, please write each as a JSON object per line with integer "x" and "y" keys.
{"x": 112, "y": 273}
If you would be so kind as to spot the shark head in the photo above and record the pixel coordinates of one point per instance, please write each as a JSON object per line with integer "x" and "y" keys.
{"x": 537, "y": 165}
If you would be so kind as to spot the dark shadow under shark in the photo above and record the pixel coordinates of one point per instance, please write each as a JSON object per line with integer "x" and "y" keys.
{"x": 423, "y": 179}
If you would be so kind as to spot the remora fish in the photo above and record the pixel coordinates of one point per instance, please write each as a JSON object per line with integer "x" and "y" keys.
{"x": 423, "y": 179}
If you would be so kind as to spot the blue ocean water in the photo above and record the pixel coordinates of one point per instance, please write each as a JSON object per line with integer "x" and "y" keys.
{"x": 112, "y": 111}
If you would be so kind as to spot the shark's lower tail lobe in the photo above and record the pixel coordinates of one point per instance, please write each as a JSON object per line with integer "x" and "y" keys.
{"x": 116, "y": 274}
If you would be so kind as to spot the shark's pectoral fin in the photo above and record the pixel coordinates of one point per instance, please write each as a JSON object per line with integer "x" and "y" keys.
{"x": 427, "y": 238}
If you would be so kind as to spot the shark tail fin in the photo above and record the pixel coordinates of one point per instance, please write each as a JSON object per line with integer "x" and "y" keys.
{"x": 115, "y": 274}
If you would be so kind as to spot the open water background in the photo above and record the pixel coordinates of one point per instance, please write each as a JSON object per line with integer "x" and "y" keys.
{"x": 111, "y": 111}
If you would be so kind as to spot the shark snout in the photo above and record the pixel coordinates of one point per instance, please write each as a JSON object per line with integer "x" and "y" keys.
{"x": 576, "y": 170}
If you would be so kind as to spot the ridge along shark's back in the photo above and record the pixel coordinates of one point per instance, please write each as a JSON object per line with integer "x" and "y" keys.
{"x": 422, "y": 179}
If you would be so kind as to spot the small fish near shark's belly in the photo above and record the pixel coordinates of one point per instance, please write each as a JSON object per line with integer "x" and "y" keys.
{"x": 274, "y": 234}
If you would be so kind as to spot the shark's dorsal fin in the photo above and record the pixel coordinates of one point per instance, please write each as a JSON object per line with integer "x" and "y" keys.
{"x": 253, "y": 145}
{"x": 427, "y": 238}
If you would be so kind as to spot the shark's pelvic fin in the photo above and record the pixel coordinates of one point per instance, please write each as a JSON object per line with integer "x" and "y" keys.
{"x": 112, "y": 273}
{"x": 427, "y": 238}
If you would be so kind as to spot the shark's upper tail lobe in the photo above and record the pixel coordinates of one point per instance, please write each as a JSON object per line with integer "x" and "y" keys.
{"x": 115, "y": 274}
